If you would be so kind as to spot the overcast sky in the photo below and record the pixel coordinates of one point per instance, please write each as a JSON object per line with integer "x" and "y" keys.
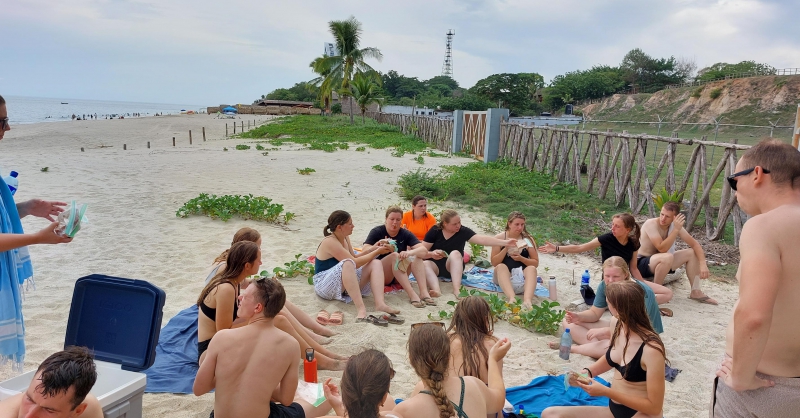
{"x": 233, "y": 51}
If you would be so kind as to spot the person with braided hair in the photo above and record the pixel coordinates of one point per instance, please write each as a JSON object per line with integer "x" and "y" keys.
{"x": 429, "y": 355}
{"x": 364, "y": 388}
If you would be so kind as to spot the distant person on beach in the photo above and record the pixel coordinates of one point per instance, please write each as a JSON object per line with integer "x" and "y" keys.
{"x": 443, "y": 394}
{"x": 445, "y": 242}
{"x": 658, "y": 257}
{"x": 636, "y": 353}
{"x": 592, "y": 334}
{"x": 406, "y": 258}
{"x": 623, "y": 241}
{"x": 760, "y": 375}
{"x": 364, "y": 388}
{"x": 418, "y": 220}
{"x": 253, "y": 369}
{"x": 343, "y": 275}
{"x": 59, "y": 389}
{"x": 515, "y": 266}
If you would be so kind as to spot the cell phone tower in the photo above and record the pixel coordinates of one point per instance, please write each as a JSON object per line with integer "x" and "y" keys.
{"x": 447, "y": 67}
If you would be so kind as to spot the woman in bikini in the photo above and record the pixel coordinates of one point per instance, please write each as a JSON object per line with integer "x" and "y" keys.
{"x": 342, "y": 274}
{"x": 471, "y": 339}
{"x": 622, "y": 241}
{"x": 522, "y": 256}
{"x": 638, "y": 356}
{"x": 444, "y": 394}
{"x": 445, "y": 243}
{"x": 364, "y": 388}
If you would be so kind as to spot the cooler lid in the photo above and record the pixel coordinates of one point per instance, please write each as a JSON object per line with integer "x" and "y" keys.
{"x": 118, "y": 319}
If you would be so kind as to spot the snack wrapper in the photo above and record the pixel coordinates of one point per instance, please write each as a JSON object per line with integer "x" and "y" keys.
{"x": 403, "y": 265}
{"x": 311, "y": 392}
{"x": 72, "y": 220}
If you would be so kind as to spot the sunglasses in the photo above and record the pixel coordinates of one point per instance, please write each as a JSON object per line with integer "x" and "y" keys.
{"x": 732, "y": 178}
{"x": 3, "y": 123}
{"x": 419, "y": 324}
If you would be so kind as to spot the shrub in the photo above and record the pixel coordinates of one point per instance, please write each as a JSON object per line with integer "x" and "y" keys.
{"x": 697, "y": 92}
{"x": 242, "y": 147}
{"x": 713, "y": 94}
{"x": 258, "y": 208}
{"x": 336, "y": 108}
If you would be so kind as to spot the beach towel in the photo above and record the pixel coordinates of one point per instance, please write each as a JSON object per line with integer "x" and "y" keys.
{"x": 176, "y": 355}
{"x": 15, "y": 271}
{"x": 546, "y": 391}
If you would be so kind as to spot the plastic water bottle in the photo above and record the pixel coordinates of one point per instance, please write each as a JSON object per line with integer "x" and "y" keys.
{"x": 12, "y": 182}
{"x": 586, "y": 290}
{"x": 585, "y": 278}
{"x": 566, "y": 345}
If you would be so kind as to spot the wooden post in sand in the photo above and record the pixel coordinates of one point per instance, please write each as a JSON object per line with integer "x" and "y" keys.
{"x": 226, "y": 129}
{"x": 190, "y": 137}
{"x": 242, "y": 126}
{"x": 234, "y": 128}
{"x": 82, "y": 149}
{"x": 173, "y": 141}
{"x": 124, "y": 147}
{"x": 204, "y": 134}
{"x": 148, "y": 144}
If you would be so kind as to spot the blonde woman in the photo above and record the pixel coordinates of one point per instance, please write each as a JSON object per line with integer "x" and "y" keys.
{"x": 506, "y": 259}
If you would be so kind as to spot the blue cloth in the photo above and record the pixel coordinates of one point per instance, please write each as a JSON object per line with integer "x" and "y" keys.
{"x": 546, "y": 391}
{"x": 15, "y": 269}
{"x": 176, "y": 355}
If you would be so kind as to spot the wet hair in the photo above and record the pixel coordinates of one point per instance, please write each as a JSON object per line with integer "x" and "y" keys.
{"x": 627, "y": 297}
{"x": 365, "y": 382}
{"x": 617, "y": 261}
{"x": 244, "y": 234}
{"x": 240, "y": 254}
{"x": 472, "y": 323}
{"x": 417, "y": 199}
{"x": 271, "y": 295}
{"x": 446, "y": 216}
{"x": 338, "y": 217}
{"x": 73, "y": 367}
{"x": 630, "y": 222}
{"x": 671, "y": 206}
{"x": 519, "y": 215}
{"x": 429, "y": 355}
{"x": 781, "y": 159}
{"x": 393, "y": 209}
{"x": 2, "y": 102}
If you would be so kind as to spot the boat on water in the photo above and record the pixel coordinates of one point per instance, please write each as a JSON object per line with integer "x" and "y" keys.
{"x": 64, "y": 103}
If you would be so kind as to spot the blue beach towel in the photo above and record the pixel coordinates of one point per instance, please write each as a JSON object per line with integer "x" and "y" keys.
{"x": 546, "y": 391}
{"x": 15, "y": 269}
{"x": 176, "y": 355}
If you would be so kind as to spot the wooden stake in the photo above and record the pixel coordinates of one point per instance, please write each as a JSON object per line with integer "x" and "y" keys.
{"x": 226, "y": 129}
{"x": 204, "y": 134}
{"x": 81, "y": 149}
{"x": 124, "y": 147}
{"x": 190, "y": 137}
{"x": 148, "y": 144}
{"x": 173, "y": 141}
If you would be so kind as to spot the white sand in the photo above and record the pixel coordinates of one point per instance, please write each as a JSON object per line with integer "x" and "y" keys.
{"x": 134, "y": 233}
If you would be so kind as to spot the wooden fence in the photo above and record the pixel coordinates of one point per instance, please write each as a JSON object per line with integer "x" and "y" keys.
{"x": 619, "y": 158}
{"x": 435, "y": 131}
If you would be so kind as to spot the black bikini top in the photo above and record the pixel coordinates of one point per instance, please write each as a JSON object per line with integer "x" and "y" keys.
{"x": 632, "y": 372}
{"x": 211, "y": 313}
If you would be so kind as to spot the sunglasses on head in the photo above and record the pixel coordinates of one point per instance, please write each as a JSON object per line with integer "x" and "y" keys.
{"x": 732, "y": 178}
{"x": 419, "y": 324}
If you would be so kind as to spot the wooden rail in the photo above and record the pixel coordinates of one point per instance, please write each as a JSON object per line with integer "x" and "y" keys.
{"x": 435, "y": 131}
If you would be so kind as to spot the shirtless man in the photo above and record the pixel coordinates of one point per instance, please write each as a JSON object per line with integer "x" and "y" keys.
{"x": 245, "y": 363}
{"x": 657, "y": 255}
{"x": 59, "y": 389}
{"x": 760, "y": 375}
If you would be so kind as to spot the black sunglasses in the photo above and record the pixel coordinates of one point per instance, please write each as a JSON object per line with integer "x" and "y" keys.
{"x": 3, "y": 123}
{"x": 732, "y": 178}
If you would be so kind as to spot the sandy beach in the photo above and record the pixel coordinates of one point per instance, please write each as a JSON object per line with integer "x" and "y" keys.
{"x": 133, "y": 232}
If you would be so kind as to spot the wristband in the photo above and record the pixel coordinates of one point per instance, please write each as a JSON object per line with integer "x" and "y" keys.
{"x": 589, "y": 372}
{"x": 556, "y": 248}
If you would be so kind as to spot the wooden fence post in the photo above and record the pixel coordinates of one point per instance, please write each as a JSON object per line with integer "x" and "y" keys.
{"x": 234, "y": 128}
{"x": 173, "y": 141}
{"x": 148, "y": 144}
{"x": 204, "y": 134}
{"x": 190, "y": 137}
{"x": 226, "y": 129}
{"x": 124, "y": 147}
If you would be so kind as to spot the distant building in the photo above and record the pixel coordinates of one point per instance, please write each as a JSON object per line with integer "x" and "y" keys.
{"x": 330, "y": 50}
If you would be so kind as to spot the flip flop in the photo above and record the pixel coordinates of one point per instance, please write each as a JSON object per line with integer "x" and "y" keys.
{"x": 417, "y": 303}
{"x": 337, "y": 318}
{"x": 372, "y": 319}
{"x": 666, "y": 312}
{"x": 705, "y": 299}
{"x": 323, "y": 317}
{"x": 429, "y": 301}
{"x": 393, "y": 319}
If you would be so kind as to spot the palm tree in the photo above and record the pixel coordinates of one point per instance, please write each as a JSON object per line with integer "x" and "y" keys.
{"x": 365, "y": 89}
{"x": 336, "y": 72}
{"x": 325, "y": 92}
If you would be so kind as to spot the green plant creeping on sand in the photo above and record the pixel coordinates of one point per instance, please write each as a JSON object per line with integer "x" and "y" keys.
{"x": 258, "y": 208}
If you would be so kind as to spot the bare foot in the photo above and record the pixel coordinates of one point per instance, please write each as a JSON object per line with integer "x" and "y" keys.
{"x": 554, "y": 345}
{"x": 702, "y": 298}
{"x": 435, "y": 293}
{"x": 387, "y": 309}
{"x": 320, "y": 339}
{"x": 327, "y": 363}
{"x": 325, "y": 332}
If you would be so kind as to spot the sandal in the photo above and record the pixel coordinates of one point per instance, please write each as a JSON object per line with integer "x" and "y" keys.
{"x": 372, "y": 319}
{"x": 429, "y": 301}
{"x": 417, "y": 303}
{"x": 323, "y": 317}
{"x": 666, "y": 312}
{"x": 393, "y": 319}
{"x": 337, "y": 318}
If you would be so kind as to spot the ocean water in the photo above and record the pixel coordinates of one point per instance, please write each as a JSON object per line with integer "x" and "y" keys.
{"x": 38, "y": 109}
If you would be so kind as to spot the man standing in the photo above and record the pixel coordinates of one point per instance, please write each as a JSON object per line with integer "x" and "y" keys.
{"x": 658, "y": 257}
{"x": 760, "y": 375}
{"x": 244, "y": 364}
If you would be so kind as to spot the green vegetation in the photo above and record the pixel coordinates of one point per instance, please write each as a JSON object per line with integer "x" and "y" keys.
{"x": 257, "y": 208}
{"x": 360, "y": 149}
{"x": 44, "y": 169}
{"x": 331, "y": 133}
{"x": 378, "y": 167}
{"x": 714, "y": 93}
{"x": 723, "y": 69}
{"x": 294, "y": 268}
{"x": 259, "y": 147}
{"x": 665, "y": 197}
{"x": 697, "y": 92}
{"x": 242, "y": 147}
{"x": 419, "y": 159}
{"x": 555, "y": 211}
{"x": 306, "y": 171}
{"x": 365, "y": 90}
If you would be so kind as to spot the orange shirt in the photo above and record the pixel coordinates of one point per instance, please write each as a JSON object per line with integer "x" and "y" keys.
{"x": 418, "y": 227}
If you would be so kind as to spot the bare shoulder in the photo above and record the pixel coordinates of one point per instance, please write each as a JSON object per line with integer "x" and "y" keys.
{"x": 649, "y": 224}
{"x": 9, "y": 408}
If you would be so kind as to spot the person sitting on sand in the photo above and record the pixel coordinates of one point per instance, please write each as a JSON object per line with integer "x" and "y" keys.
{"x": 637, "y": 388}
{"x": 342, "y": 274}
{"x": 524, "y": 257}
{"x": 444, "y": 394}
{"x": 592, "y": 333}
{"x": 418, "y": 220}
{"x": 622, "y": 241}
{"x": 298, "y": 321}
{"x": 408, "y": 250}
{"x": 244, "y": 364}
{"x": 445, "y": 243}
{"x": 59, "y": 389}
{"x": 364, "y": 388}
{"x": 471, "y": 339}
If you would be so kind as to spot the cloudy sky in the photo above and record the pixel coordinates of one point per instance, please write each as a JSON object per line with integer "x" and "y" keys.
{"x": 209, "y": 52}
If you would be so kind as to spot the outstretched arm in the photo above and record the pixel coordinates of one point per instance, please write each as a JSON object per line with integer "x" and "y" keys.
{"x": 550, "y": 248}
{"x": 490, "y": 241}
{"x": 45, "y": 236}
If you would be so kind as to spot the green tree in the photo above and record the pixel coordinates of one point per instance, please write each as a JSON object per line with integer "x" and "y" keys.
{"x": 365, "y": 90}
{"x": 722, "y": 69}
{"x": 512, "y": 90}
{"x": 341, "y": 68}
{"x": 647, "y": 74}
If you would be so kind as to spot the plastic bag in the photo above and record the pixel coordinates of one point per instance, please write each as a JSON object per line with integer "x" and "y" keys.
{"x": 311, "y": 392}
{"x": 72, "y": 220}
{"x": 403, "y": 264}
